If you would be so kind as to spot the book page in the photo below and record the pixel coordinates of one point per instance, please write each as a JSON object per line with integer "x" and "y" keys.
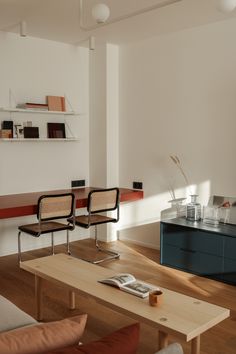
{"x": 119, "y": 280}
{"x": 139, "y": 288}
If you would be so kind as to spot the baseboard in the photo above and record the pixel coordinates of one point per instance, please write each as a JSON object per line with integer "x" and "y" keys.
{"x": 139, "y": 223}
{"x": 140, "y": 243}
{"x": 31, "y": 246}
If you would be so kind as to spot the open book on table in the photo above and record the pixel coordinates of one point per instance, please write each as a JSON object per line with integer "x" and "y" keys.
{"x": 127, "y": 282}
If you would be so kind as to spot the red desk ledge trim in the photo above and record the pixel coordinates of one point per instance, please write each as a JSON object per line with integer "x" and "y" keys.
{"x": 130, "y": 195}
{"x": 15, "y": 205}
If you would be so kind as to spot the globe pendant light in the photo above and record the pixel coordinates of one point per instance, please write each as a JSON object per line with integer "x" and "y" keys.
{"x": 100, "y": 13}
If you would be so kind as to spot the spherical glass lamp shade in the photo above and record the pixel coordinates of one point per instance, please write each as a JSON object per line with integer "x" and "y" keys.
{"x": 226, "y": 5}
{"x": 100, "y": 13}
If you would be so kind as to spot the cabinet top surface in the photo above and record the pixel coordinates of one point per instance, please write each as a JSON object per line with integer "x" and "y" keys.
{"x": 224, "y": 229}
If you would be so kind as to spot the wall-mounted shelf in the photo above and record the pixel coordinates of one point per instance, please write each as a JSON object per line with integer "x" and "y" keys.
{"x": 21, "y": 110}
{"x": 19, "y": 140}
{"x": 13, "y": 109}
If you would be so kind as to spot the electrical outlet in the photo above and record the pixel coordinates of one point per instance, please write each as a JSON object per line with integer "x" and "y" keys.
{"x": 78, "y": 183}
{"x": 138, "y": 185}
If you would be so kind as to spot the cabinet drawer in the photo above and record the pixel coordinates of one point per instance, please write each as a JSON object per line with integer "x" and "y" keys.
{"x": 192, "y": 239}
{"x": 229, "y": 274}
{"x": 230, "y": 248}
{"x": 192, "y": 261}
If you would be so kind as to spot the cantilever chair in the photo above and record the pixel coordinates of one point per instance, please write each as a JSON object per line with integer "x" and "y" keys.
{"x": 51, "y": 207}
{"x": 100, "y": 201}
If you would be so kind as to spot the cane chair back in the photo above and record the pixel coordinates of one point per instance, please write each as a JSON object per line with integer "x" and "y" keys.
{"x": 103, "y": 200}
{"x": 55, "y": 206}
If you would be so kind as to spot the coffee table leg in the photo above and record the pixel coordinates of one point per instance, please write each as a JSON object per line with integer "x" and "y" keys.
{"x": 163, "y": 340}
{"x": 195, "y": 345}
{"x": 38, "y": 297}
{"x": 71, "y": 300}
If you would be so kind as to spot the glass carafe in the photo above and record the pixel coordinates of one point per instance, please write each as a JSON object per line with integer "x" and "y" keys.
{"x": 193, "y": 211}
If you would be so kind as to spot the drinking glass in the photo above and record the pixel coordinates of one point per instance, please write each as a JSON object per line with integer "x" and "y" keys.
{"x": 211, "y": 215}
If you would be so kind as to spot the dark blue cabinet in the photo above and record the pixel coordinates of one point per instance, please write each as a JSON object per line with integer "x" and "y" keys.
{"x": 192, "y": 261}
{"x": 229, "y": 274}
{"x": 199, "y": 249}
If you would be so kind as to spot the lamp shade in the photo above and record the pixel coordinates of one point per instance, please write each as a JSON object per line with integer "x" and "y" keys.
{"x": 226, "y": 5}
{"x": 100, "y": 13}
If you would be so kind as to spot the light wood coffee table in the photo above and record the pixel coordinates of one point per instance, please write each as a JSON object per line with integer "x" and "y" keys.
{"x": 180, "y": 315}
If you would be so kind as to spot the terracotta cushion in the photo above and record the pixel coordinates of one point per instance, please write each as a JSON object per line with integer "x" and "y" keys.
{"x": 43, "y": 337}
{"x": 123, "y": 341}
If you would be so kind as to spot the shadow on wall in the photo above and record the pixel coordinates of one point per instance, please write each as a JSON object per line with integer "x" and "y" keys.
{"x": 147, "y": 235}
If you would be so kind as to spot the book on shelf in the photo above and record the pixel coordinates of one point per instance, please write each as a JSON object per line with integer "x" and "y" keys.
{"x": 127, "y": 282}
{"x": 56, "y": 103}
{"x": 31, "y": 105}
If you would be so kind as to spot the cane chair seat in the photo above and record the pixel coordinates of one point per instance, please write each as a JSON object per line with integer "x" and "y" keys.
{"x": 44, "y": 228}
{"x": 51, "y": 207}
{"x": 84, "y": 221}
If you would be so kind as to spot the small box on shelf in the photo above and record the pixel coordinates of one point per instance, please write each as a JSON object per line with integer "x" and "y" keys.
{"x": 8, "y": 125}
{"x": 5, "y": 134}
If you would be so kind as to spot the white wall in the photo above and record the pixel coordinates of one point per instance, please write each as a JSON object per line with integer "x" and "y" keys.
{"x": 177, "y": 96}
{"x": 33, "y": 68}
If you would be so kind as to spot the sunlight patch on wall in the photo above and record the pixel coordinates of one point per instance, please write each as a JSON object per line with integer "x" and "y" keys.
{"x": 149, "y": 209}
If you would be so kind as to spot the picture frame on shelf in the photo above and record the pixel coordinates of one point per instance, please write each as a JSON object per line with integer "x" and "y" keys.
{"x": 31, "y": 132}
{"x": 56, "y": 131}
{"x": 56, "y": 103}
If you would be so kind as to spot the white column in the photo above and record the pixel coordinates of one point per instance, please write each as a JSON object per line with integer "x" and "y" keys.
{"x": 112, "y": 110}
{"x": 104, "y": 123}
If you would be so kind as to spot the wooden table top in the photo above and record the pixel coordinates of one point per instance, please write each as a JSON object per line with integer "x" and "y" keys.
{"x": 14, "y": 205}
{"x": 179, "y": 314}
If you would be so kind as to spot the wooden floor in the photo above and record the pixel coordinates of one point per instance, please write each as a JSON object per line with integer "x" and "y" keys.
{"x": 18, "y": 286}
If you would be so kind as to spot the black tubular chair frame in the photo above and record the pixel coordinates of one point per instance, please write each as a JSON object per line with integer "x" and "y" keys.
{"x": 68, "y": 227}
{"x": 91, "y": 212}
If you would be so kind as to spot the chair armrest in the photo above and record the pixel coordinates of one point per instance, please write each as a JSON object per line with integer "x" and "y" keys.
{"x": 174, "y": 348}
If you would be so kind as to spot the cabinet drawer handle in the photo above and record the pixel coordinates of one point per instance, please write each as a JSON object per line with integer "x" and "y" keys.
{"x": 187, "y": 250}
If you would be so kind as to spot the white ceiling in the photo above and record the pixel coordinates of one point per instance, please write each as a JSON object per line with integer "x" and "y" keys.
{"x": 59, "y": 19}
